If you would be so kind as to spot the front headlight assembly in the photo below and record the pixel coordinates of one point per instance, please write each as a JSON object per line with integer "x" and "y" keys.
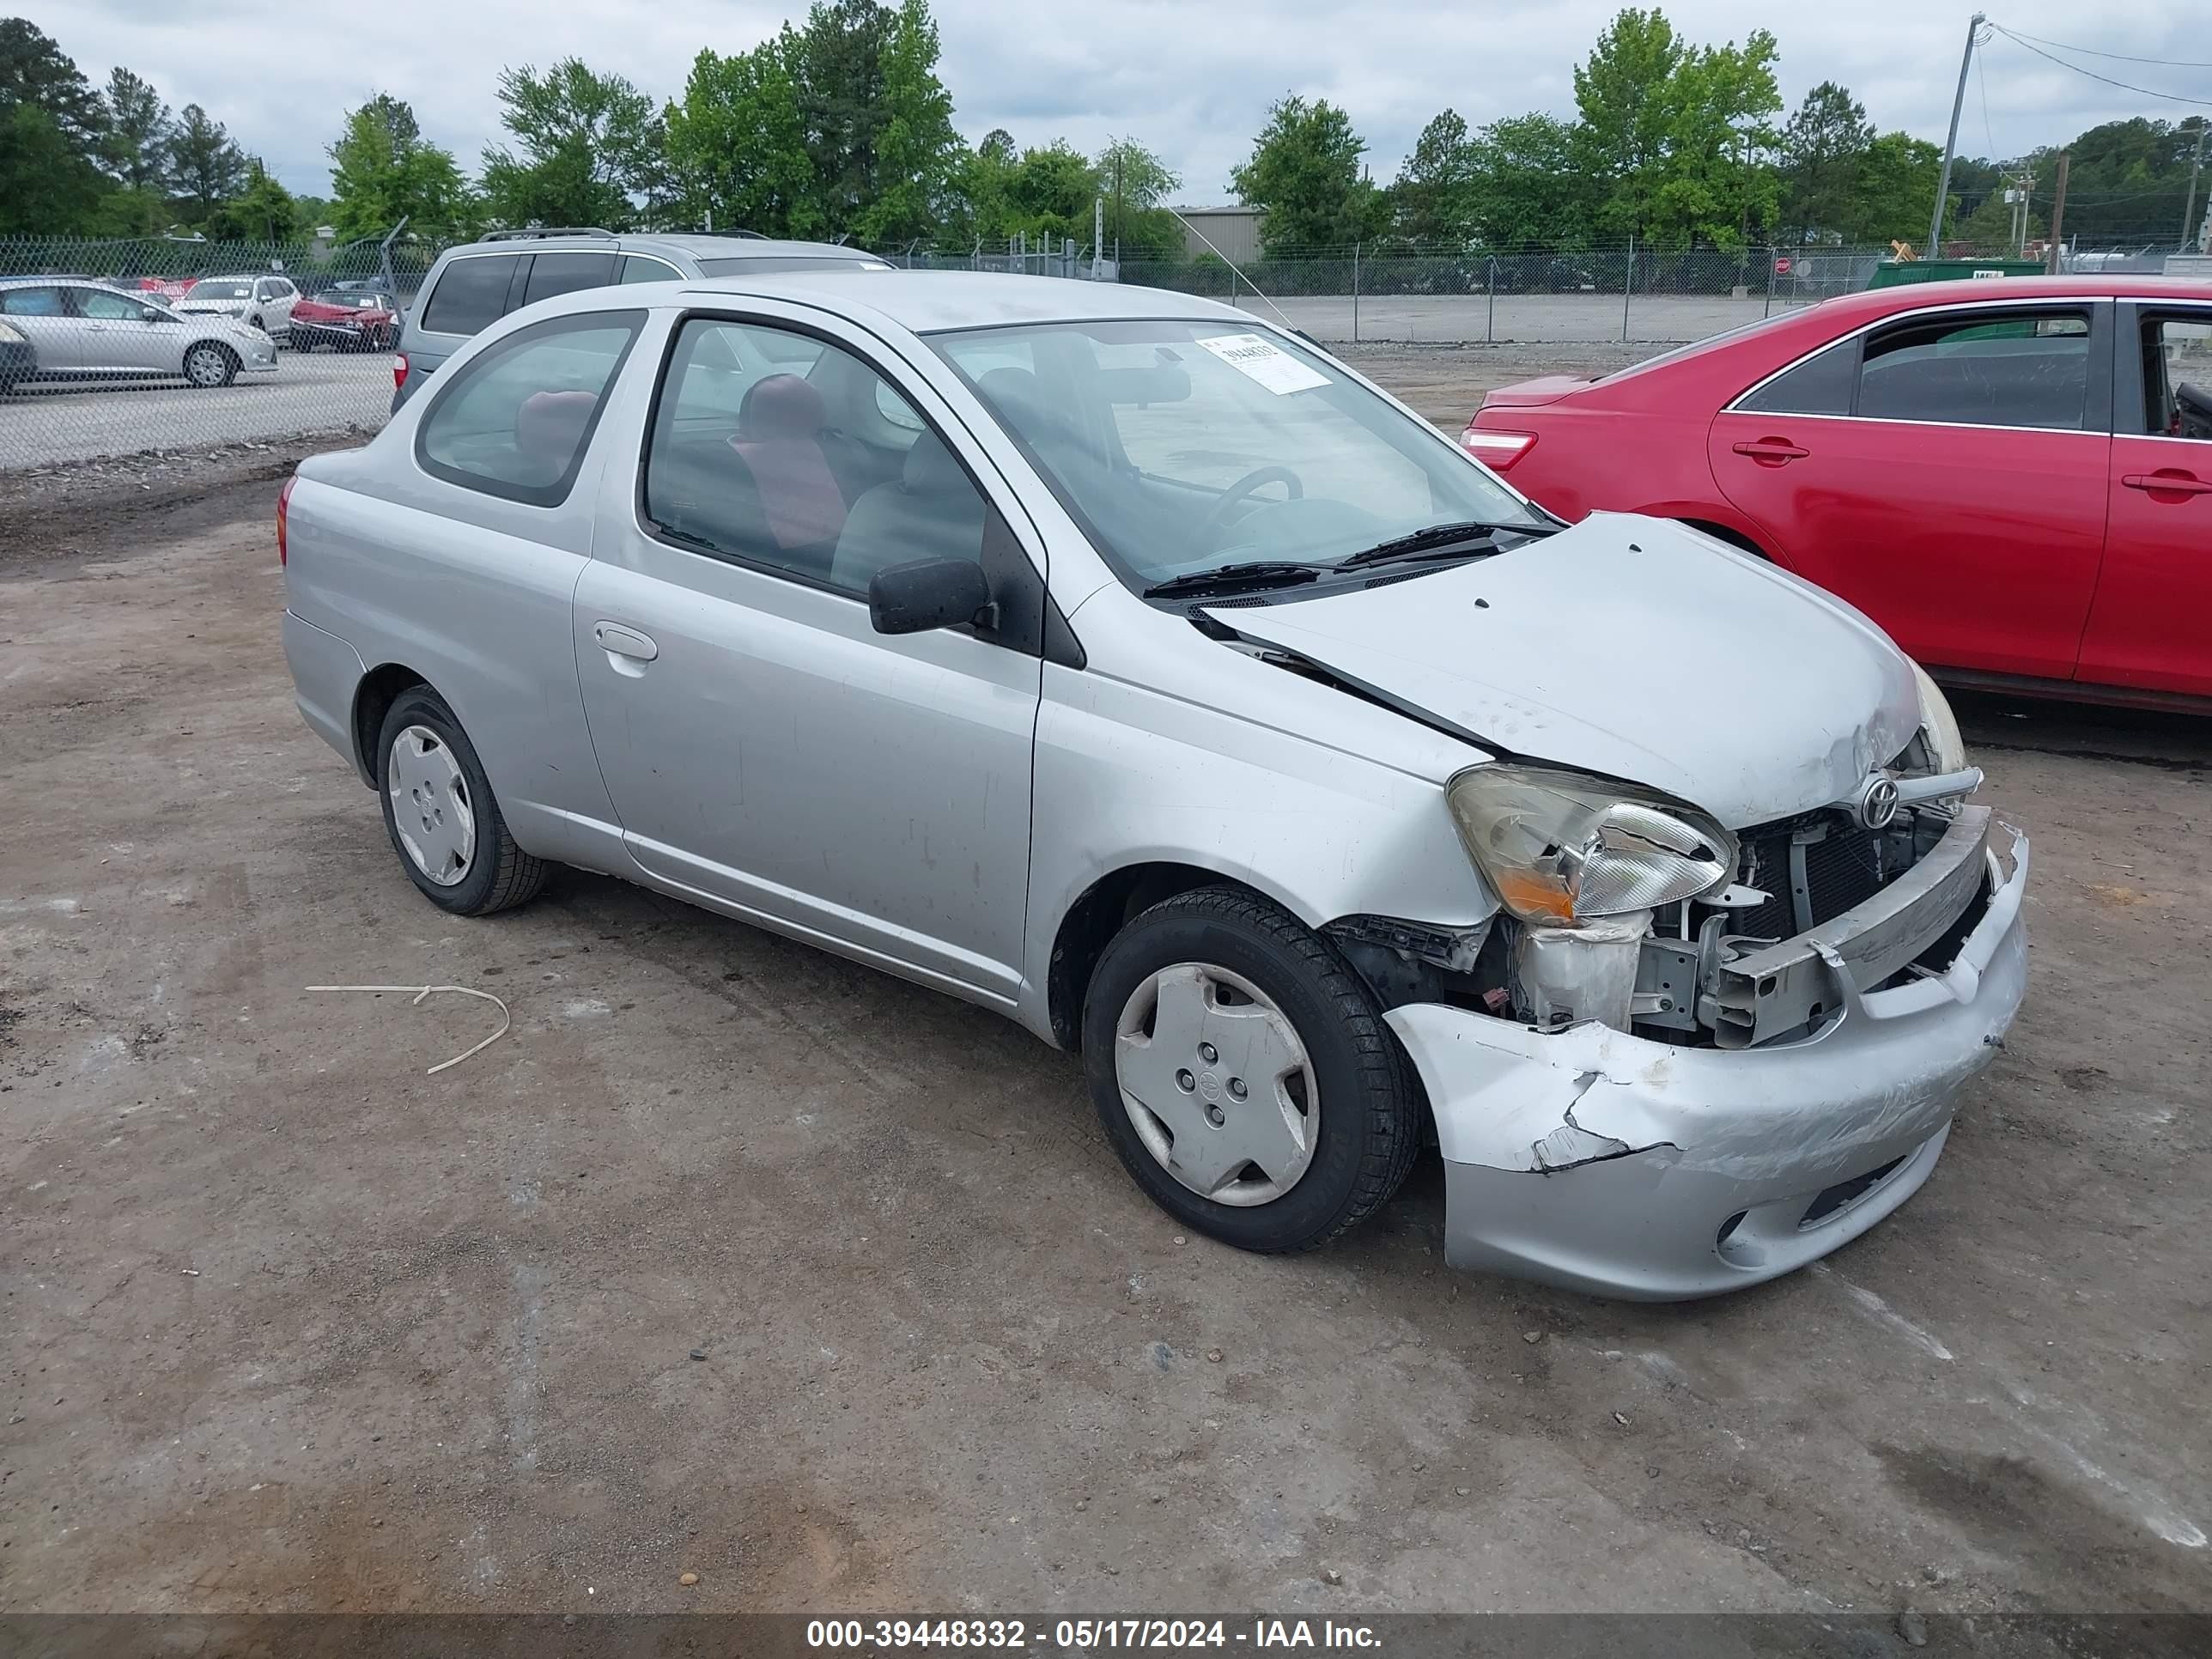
{"x": 10, "y": 334}
{"x": 1561, "y": 847}
{"x": 1939, "y": 726}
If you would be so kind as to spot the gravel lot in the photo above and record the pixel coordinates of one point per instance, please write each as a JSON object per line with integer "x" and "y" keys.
{"x": 310, "y": 391}
{"x": 292, "y": 1325}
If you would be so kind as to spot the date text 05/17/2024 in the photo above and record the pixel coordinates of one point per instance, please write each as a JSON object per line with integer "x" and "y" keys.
{"x": 1086, "y": 1635}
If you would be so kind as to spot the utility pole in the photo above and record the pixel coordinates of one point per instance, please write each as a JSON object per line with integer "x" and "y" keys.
{"x": 2188, "y": 207}
{"x": 2058, "y": 212}
{"x": 1097, "y": 238}
{"x": 1951, "y": 144}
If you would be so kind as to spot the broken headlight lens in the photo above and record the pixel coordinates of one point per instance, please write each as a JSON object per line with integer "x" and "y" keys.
{"x": 1939, "y": 727}
{"x": 1561, "y": 847}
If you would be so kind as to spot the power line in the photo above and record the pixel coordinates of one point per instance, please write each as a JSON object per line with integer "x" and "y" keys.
{"x": 2146, "y": 91}
{"x": 2091, "y": 51}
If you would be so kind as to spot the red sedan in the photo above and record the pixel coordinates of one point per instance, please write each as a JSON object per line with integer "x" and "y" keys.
{"x": 2013, "y": 477}
{"x": 350, "y": 320}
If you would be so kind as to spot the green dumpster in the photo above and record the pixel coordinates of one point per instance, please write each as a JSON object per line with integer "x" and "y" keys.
{"x": 1891, "y": 273}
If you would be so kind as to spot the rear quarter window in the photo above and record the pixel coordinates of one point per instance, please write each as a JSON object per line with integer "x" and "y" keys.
{"x": 472, "y": 295}
{"x": 515, "y": 421}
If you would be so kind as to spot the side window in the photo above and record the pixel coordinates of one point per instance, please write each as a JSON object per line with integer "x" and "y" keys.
{"x": 106, "y": 308}
{"x": 516, "y": 421}
{"x": 2178, "y": 375}
{"x": 564, "y": 273}
{"x": 30, "y": 302}
{"x": 472, "y": 295}
{"x": 1982, "y": 369}
{"x": 1821, "y": 385}
{"x": 774, "y": 448}
{"x": 640, "y": 268}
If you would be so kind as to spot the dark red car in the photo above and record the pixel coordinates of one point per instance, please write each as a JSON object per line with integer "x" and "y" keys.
{"x": 352, "y": 319}
{"x": 2014, "y": 477}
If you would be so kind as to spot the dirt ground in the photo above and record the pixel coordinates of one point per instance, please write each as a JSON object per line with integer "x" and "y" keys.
{"x": 734, "y": 1259}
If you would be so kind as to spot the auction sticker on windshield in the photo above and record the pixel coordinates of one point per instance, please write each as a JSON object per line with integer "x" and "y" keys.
{"x": 1261, "y": 360}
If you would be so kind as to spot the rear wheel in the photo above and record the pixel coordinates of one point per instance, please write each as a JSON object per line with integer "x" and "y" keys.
{"x": 1244, "y": 1075}
{"x": 208, "y": 364}
{"x": 440, "y": 811}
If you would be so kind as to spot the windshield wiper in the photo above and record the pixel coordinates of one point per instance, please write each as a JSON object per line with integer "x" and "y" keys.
{"x": 1439, "y": 540}
{"x": 1255, "y": 573}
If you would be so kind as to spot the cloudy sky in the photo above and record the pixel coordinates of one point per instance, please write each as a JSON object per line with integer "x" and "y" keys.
{"x": 1192, "y": 81}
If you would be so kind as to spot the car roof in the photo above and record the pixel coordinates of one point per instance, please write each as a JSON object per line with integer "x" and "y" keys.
{"x": 925, "y": 302}
{"x": 701, "y": 247}
{"x": 1870, "y": 303}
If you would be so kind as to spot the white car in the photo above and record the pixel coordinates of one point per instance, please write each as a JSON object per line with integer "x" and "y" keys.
{"x": 264, "y": 302}
{"x": 82, "y": 330}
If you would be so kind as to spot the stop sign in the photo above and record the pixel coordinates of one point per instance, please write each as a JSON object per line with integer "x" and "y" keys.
{"x": 1782, "y": 267}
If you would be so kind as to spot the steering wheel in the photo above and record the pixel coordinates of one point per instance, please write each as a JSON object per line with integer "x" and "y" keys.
{"x": 1235, "y": 495}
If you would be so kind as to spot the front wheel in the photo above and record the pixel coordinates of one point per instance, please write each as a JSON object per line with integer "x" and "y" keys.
{"x": 440, "y": 811}
{"x": 208, "y": 365}
{"x": 1244, "y": 1075}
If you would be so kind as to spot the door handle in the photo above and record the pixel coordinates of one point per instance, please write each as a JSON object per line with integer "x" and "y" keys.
{"x": 619, "y": 642}
{"x": 1771, "y": 451}
{"x": 2173, "y": 481}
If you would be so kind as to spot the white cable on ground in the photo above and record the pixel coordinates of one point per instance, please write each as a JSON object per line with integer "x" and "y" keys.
{"x": 505, "y": 1019}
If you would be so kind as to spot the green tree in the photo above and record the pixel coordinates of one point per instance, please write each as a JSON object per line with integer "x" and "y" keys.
{"x": 840, "y": 71}
{"x": 1621, "y": 92}
{"x": 1434, "y": 195}
{"x": 382, "y": 171}
{"x": 1823, "y": 149}
{"x": 34, "y": 71}
{"x": 1989, "y": 226}
{"x": 1134, "y": 185}
{"x": 2127, "y": 180}
{"x": 1894, "y": 193}
{"x": 1304, "y": 171}
{"x": 916, "y": 148}
{"x": 1527, "y": 187}
{"x": 737, "y": 145}
{"x": 1716, "y": 180}
{"x": 261, "y": 212}
{"x": 980, "y": 181}
{"x": 135, "y": 148}
{"x": 208, "y": 169}
{"x": 586, "y": 144}
{"x": 46, "y": 186}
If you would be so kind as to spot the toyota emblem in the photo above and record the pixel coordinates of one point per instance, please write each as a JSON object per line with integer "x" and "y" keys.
{"x": 1878, "y": 802}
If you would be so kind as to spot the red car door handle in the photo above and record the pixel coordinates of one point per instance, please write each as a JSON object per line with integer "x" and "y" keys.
{"x": 2172, "y": 481}
{"x": 1771, "y": 451}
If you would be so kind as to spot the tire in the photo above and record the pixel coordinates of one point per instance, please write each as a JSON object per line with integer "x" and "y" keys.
{"x": 1357, "y": 1104}
{"x": 439, "y": 779}
{"x": 208, "y": 365}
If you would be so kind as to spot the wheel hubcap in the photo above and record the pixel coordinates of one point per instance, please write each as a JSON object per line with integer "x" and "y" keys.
{"x": 1217, "y": 1083}
{"x": 430, "y": 806}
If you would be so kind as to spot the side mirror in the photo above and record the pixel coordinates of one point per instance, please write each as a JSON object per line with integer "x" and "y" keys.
{"x": 149, "y": 315}
{"x": 913, "y": 599}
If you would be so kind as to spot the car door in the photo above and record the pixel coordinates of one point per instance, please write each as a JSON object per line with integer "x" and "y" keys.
{"x": 765, "y": 748}
{"x": 48, "y": 323}
{"x": 119, "y": 339}
{"x": 1944, "y": 471}
{"x": 2148, "y": 627}
{"x": 276, "y": 309}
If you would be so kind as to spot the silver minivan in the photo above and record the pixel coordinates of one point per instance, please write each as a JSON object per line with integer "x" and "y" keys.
{"x": 1118, "y": 661}
{"x": 472, "y": 286}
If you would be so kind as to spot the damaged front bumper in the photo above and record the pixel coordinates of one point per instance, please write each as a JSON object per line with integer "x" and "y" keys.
{"x": 1591, "y": 1158}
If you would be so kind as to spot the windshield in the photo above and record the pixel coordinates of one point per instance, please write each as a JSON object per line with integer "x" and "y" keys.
{"x": 207, "y": 290}
{"x": 358, "y": 300}
{"x": 1184, "y": 445}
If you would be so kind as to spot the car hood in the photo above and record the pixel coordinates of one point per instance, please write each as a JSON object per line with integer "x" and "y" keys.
{"x": 1630, "y": 646}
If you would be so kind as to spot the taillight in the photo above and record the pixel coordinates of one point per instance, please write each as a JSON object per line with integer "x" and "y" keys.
{"x": 399, "y": 370}
{"x": 283, "y": 515}
{"x": 1497, "y": 450}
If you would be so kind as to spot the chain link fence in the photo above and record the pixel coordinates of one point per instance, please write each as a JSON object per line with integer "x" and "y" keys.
{"x": 111, "y": 349}
{"x": 165, "y": 344}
